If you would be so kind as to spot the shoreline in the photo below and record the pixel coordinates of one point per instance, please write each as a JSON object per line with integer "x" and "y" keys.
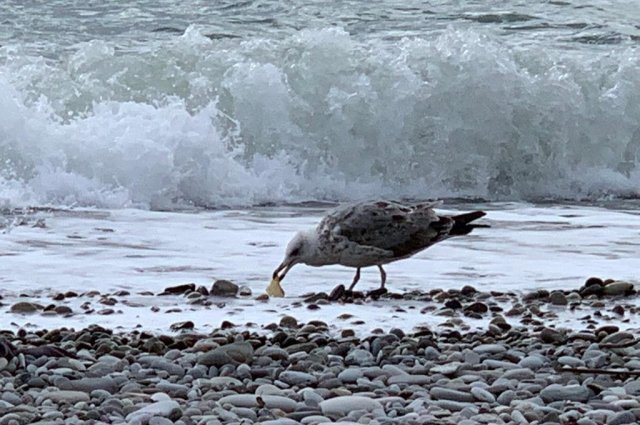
{"x": 317, "y": 372}
{"x": 225, "y": 304}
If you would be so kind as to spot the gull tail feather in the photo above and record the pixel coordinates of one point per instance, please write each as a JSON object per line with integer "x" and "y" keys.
{"x": 462, "y": 223}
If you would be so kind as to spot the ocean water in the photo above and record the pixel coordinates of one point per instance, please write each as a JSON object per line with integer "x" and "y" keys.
{"x": 165, "y": 104}
{"x": 145, "y": 144}
{"x": 144, "y": 252}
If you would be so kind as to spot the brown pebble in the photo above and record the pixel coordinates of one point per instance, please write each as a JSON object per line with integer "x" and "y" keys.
{"x": 441, "y": 296}
{"x": 182, "y": 325}
{"x": 453, "y": 304}
{"x": 319, "y": 324}
{"x": 501, "y": 323}
{"x": 593, "y": 281}
{"x": 26, "y": 307}
{"x": 468, "y": 290}
{"x": 63, "y": 309}
{"x": 477, "y": 307}
{"x": 472, "y": 315}
{"x": 108, "y": 301}
{"x": 347, "y": 333}
{"x": 552, "y": 336}
{"x": 288, "y": 322}
{"x": 316, "y": 297}
{"x": 515, "y": 311}
{"x": 337, "y": 293}
{"x": 536, "y": 295}
{"x": 262, "y": 297}
{"x": 179, "y": 289}
{"x": 227, "y": 325}
{"x": 618, "y": 309}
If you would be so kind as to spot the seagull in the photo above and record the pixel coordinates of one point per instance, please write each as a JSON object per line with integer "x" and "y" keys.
{"x": 371, "y": 233}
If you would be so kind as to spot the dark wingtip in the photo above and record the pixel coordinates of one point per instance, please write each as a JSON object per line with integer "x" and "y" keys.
{"x": 461, "y": 222}
{"x": 468, "y": 217}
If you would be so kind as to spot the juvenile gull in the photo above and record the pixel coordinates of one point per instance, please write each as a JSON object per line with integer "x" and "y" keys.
{"x": 371, "y": 233}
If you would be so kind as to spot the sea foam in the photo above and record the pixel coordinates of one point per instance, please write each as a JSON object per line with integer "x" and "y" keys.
{"x": 320, "y": 114}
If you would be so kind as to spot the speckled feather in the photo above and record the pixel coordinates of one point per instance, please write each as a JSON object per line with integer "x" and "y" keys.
{"x": 379, "y": 232}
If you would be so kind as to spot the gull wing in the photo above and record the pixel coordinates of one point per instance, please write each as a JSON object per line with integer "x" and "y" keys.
{"x": 401, "y": 230}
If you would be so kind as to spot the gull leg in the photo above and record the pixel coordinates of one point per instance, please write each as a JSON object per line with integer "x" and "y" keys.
{"x": 383, "y": 277}
{"x": 348, "y": 292}
{"x": 356, "y": 278}
{"x": 381, "y": 290}
{"x": 339, "y": 291}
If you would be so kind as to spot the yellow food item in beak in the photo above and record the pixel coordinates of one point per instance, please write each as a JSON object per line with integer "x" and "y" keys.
{"x": 274, "y": 289}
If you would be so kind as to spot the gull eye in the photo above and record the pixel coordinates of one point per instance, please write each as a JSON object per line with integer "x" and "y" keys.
{"x": 295, "y": 252}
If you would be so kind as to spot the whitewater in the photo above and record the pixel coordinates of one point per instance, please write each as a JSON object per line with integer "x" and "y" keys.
{"x": 202, "y": 136}
{"x": 135, "y": 107}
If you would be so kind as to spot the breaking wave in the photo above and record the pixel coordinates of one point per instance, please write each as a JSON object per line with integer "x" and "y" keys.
{"x": 316, "y": 115}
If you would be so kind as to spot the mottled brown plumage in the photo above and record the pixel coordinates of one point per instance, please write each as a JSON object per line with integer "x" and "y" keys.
{"x": 374, "y": 233}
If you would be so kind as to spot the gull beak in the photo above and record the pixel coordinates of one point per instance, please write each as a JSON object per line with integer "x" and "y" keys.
{"x": 274, "y": 289}
{"x": 286, "y": 266}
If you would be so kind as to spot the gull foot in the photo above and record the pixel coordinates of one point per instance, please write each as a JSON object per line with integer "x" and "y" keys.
{"x": 340, "y": 293}
{"x": 352, "y": 295}
{"x": 376, "y": 293}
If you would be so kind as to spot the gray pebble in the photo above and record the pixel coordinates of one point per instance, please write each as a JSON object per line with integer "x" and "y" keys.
{"x": 557, "y": 298}
{"x": 350, "y": 375}
{"x": 345, "y": 404}
{"x": 439, "y": 393}
{"x": 409, "y": 379}
{"x": 159, "y": 420}
{"x": 570, "y": 361}
{"x": 556, "y": 392}
{"x": 297, "y": 378}
{"x": 506, "y": 397}
{"x": 11, "y": 398}
{"x": 621, "y": 418}
{"x": 519, "y": 374}
{"x": 237, "y": 352}
{"x": 489, "y": 349}
{"x": 315, "y": 420}
{"x": 617, "y": 337}
{"x": 532, "y": 362}
{"x": 481, "y": 394}
{"x": 359, "y": 357}
{"x": 70, "y": 397}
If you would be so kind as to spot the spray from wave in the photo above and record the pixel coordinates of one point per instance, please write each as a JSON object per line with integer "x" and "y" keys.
{"x": 317, "y": 115}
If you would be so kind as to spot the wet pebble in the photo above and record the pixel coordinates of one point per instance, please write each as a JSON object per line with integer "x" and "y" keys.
{"x": 510, "y": 371}
{"x": 224, "y": 288}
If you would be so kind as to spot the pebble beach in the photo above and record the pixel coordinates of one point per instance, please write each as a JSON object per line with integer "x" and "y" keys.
{"x": 521, "y": 367}
{"x": 156, "y": 157}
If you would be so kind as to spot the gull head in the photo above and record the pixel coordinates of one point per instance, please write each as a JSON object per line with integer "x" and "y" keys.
{"x": 301, "y": 249}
